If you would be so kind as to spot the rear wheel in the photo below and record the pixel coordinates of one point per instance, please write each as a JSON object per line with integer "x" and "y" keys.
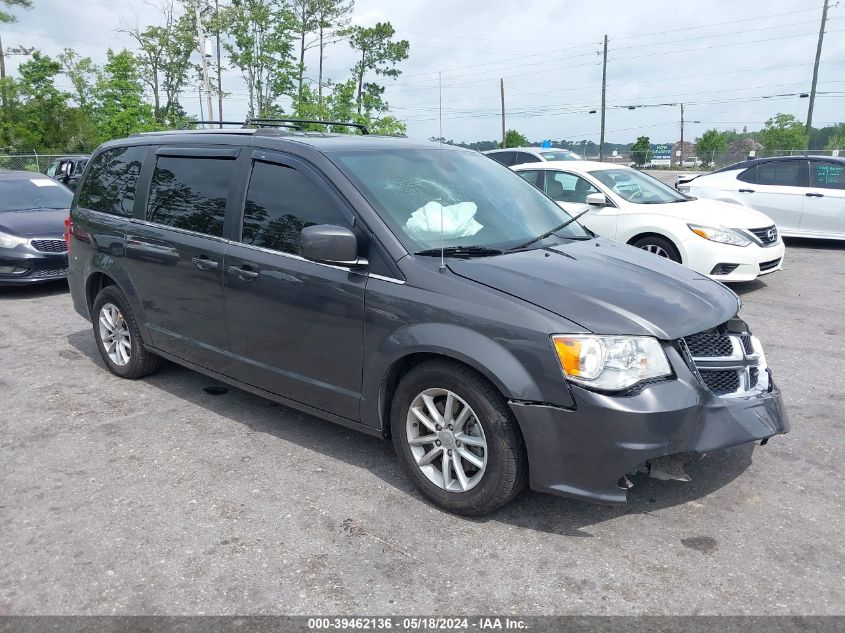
{"x": 659, "y": 246}
{"x": 456, "y": 438}
{"x": 118, "y": 336}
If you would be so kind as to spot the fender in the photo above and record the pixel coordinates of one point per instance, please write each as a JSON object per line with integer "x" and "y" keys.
{"x": 107, "y": 264}
{"x": 484, "y": 354}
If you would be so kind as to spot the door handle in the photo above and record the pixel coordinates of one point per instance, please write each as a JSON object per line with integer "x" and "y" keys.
{"x": 204, "y": 263}
{"x": 243, "y": 273}
{"x": 746, "y": 191}
{"x": 814, "y": 195}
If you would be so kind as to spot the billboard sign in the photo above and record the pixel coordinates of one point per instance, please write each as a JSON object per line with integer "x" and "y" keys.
{"x": 661, "y": 154}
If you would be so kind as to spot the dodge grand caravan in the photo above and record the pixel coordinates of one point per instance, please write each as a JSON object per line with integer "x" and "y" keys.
{"x": 416, "y": 292}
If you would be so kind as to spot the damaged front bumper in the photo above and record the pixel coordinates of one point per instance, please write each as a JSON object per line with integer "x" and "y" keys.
{"x": 587, "y": 452}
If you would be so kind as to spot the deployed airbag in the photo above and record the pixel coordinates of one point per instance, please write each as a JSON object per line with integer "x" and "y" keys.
{"x": 455, "y": 220}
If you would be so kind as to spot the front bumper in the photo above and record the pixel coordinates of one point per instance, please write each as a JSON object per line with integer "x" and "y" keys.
{"x": 751, "y": 261}
{"x": 584, "y": 452}
{"x": 30, "y": 266}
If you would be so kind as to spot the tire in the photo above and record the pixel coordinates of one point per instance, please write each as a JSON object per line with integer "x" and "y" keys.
{"x": 490, "y": 421}
{"x": 660, "y": 246}
{"x": 135, "y": 361}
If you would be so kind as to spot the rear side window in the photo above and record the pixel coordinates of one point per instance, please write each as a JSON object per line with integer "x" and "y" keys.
{"x": 280, "y": 202}
{"x": 785, "y": 173}
{"x": 525, "y": 157}
{"x": 533, "y": 176}
{"x": 827, "y": 175}
{"x": 506, "y": 158}
{"x": 111, "y": 181}
{"x": 190, "y": 193}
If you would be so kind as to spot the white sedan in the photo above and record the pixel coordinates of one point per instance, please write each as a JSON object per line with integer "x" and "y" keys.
{"x": 804, "y": 195}
{"x": 724, "y": 241}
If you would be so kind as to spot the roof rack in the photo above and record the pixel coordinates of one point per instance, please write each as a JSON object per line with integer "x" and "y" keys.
{"x": 294, "y": 124}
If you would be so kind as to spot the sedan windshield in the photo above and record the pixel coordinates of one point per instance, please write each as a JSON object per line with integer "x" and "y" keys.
{"x": 38, "y": 192}
{"x": 456, "y": 198}
{"x": 637, "y": 187}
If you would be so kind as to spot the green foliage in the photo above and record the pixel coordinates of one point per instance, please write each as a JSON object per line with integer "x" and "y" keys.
{"x": 836, "y": 142}
{"x": 6, "y": 17}
{"x": 783, "y": 132}
{"x": 378, "y": 54}
{"x": 120, "y": 109}
{"x": 514, "y": 139}
{"x": 710, "y": 143}
{"x": 82, "y": 73}
{"x": 260, "y": 47}
{"x": 641, "y": 151}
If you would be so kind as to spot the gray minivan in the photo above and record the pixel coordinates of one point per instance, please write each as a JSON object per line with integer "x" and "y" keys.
{"x": 416, "y": 292}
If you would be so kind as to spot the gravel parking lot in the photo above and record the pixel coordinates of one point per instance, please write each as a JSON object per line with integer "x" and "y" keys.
{"x": 156, "y": 497}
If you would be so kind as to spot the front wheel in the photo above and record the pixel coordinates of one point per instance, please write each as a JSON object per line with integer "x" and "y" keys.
{"x": 456, "y": 438}
{"x": 659, "y": 246}
{"x": 118, "y": 336}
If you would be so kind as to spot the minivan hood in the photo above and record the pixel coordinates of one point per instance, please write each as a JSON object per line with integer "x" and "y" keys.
{"x": 708, "y": 213}
{"x": 608, "y": 288}
{"x": 34, "y": 222}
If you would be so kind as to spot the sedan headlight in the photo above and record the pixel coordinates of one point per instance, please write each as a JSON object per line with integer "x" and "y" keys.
{"x": 721, "y": 235}
{"x": 610, "y": 363}
{"x": 10, "y": 241}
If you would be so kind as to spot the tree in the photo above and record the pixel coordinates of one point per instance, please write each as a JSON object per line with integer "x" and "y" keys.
{"x": 710, "y": 143}
{"x": 332, "y": 18}
{"x": 836, "y": 142}
{"x": 514, "y": 139}
{"x": 641, "y": 151}
{"x": 379, "y": 54}
{"x": 783, "y": 132}
{"x": 82, "y": 73}
{"x": 8, "y": 18}
{"x": 260, "y": 47}
{"x": 120, "y": 108}
{"x": 164, "y": 57}
{"x": 305, "y": 16}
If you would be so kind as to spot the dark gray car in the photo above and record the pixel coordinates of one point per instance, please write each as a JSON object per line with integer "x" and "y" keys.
{"x": 415, "y": 292}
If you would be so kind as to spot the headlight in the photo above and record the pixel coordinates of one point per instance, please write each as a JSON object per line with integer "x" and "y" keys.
{"x": 610, "y": 363}
{"x": 10, "y": 241}
{"x": 721, "y": 235}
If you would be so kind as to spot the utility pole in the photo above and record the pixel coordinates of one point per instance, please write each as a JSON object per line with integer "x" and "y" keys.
{"x": 682, "y": 136}
{"x": 219, "y": 80}
{"x": 603, "y": 98}
{"x": 816, "y": 71}
{"x": 504, "y": 134}
{"x": 201, "y": 46}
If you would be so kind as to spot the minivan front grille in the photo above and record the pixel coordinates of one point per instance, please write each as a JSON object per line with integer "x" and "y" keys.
{"x": 768, "y": 235}
{"x": 728, "y": 363}
{"x": 49, "y": 246}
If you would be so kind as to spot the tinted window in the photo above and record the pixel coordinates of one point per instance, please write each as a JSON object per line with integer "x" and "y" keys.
{"x": 37, "y": 192}
{"x": 190, "y": 193}
{"x": 749, "y": 175}
{"x": 785, "y": 173}
{"x": 827, "y": 175}
{"x": 525, "y": 157}
{"x": 565, "y": 187}
{"x": 280, "y": 202}
{"x": 532, "y": 176}
{"x": 506, "y": 158}
{"x": 110, "y": 184}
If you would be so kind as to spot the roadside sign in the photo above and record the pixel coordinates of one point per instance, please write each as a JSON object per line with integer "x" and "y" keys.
{"x": 661, "y": 153}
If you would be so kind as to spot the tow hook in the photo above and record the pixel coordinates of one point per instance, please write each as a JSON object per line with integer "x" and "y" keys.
{"x": 669, "y": 467}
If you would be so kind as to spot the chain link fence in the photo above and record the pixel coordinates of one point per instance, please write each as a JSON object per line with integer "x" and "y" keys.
{"x": 28, "y": 162}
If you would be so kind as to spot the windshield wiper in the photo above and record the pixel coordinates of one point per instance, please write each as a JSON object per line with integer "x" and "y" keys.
{"x": 547, "y": 233}
{"x": 462, "y": 251}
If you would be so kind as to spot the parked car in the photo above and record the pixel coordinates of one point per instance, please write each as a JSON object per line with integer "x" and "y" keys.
{"x": 416, "y": 292}
{"x": 33, "y": 209}
{"x": 520, "y": 155}
{"x": 719, "y": 240}
{"x": 67, "y": 169}
{"x": 804, "y": 195}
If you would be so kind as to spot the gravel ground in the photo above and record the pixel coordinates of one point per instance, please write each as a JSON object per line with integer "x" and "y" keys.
{"x": 156, "y": 497}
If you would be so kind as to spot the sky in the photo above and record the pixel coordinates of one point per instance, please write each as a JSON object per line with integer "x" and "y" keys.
{"x": 732, "y": 63}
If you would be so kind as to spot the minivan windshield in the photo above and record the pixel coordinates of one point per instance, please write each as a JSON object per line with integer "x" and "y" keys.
{"x": 38, "y": 192}
{"x": 637, "y": 187}
{"x": 456, "y": 198}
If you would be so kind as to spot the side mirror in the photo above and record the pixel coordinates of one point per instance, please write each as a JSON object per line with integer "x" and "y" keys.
{"x": 597, "y": 200}
{"x": 330, "y": 244}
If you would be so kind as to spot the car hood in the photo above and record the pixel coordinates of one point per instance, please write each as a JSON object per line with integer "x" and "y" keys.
{"x": 608, "y": 288}
{"x": 34, "y": 222}
{"x": 708, "y": 213}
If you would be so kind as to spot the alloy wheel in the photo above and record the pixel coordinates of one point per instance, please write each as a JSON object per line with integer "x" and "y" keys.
{"x": 114, "y": 333}
{"x": 446, "y": 440}
{"x": 657, "y": 250}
